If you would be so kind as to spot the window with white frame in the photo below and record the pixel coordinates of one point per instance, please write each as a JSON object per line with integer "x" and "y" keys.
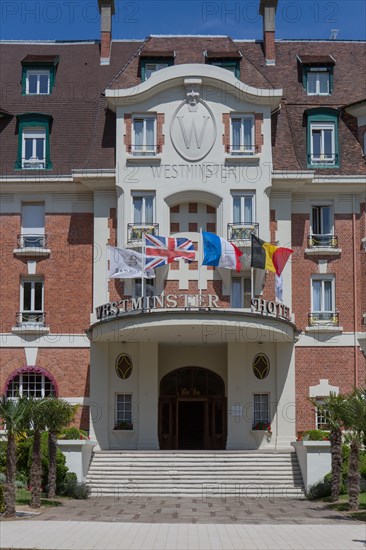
{"x": 144, "y": 135}
{"x": 30, "y": 384}
{"x": 34, "y": 148}
{"x": 243, "y": 208}
{"x": 31, "y": 300}
{"x": 261, "y": 408}
{"x": 322, "y": 143}
{"x": 240, "y": 292}
{"x": 321, "y": 415}
{"x": 242, "y": 135}
{"x": 37, "y": 82}
{"x": 318, "y": 81}
{"x": 143, "y": 208}
{"x": 33, "y": 225}
{"x": 123, "y": 416}
{"x": 323, "y": 298}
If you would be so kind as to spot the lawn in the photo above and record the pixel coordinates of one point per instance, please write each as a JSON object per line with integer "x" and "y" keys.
{"x": 23, "y": 497}
{"x": 342, "y": 506}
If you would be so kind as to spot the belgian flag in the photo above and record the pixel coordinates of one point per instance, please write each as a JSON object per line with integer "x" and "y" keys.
{"x": 268, "y": 256}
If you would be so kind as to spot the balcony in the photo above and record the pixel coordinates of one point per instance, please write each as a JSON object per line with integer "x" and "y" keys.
{"x": 142, "y": 151}
{"x": 323, "y": 321}
{"x": 324, "y": 160}
{"x": 31, "y": 322}
{"x": 240, "y": 233}
{"x": 326, "y": 244}
{"x": 135, "y": 232}
{"x": 33, "y": 164}
{"x": 242, "y": 152}
{"x": 32, "y": 245}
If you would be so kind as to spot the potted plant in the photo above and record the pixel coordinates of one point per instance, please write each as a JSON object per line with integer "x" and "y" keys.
{"x": 262, "y": 433}
{"x": 123, "y": 425}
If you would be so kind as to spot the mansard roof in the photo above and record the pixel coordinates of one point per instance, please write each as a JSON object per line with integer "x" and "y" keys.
{"x": 83, "y": 132}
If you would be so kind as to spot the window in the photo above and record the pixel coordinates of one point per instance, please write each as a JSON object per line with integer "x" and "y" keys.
{"x": 321, "y": 416}
{"x": 149, "y": 288}
{"x": 143, "y": 208}
{"x": 318, "y": 81}
{"x": 243, "y": 208}
{"x": 30, "y": 384}
{"x": 31, "y": 301}
{"x": 231, "y": 65}
{"x": 322, "y": 220}
{"x": 33, "y": 225}
{"x": 261, "y": 408}
{"x": 38, "y": 74}
{"x": 123, "y": 417}
{"x": 37, "y": 82}
{"x": 150, "y": 65}
{"x": 242, "y": 135}
{"x": 323, "y": 138}
{"x": 144, "y": 135}
{"x": 240, "y": 292}
{"x": 322, "y": 299}
{"x": 34, "y": 142}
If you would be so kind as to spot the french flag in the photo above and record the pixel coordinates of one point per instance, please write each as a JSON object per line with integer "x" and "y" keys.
{"x": 220, "y": 253}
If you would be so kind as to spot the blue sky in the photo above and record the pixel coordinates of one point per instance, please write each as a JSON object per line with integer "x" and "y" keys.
{"x": 79, "y": 19}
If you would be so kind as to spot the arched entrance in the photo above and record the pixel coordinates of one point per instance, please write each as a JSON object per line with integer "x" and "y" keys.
{"x": 192, "y": 410}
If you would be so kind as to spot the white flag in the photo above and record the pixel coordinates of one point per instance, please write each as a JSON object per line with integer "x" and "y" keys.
{"x": 279, "y": 289}
{"x": 127, "y": 264}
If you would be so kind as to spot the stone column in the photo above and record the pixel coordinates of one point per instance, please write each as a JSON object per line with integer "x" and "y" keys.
{"x": 286, "y": 396}
{"x": 147, "y": 414}
{"x": 99, "y": 403}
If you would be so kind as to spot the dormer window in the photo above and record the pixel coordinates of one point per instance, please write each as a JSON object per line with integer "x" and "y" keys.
{"x": 225, "y": 60}
{"x": 322, "y": 138}
{"x": 34, "y": 141}
{"x": 317, "y": 74}
{"x": 150, "y": 62}
{"x": 38, "y": 74}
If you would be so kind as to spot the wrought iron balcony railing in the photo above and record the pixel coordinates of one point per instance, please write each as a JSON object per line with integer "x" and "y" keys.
{"x": 325, "y": 241}
{"x": 323, "y": 160}
{"x": 136, "y": 231}
{"x": 323, "y": 318}
{"x": 33, "y": 164}
{"x": 241, "y": 231}
{"x": 242, "y": 150}
{"x": 32, "y": 241}
{"x": 144, "y": 149}
{"x": 30, "y": 318}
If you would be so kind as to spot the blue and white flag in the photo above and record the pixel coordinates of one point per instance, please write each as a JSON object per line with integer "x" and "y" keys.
{"x": 279, "y": 288}
{"x": 220, "y": 253}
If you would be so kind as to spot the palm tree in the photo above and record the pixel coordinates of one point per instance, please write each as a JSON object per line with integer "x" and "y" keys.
{"x": 59, "y": 415}
{"x": 333, "y": 409}
{"x": 38, "y": 418}
{"x": 15, "y": 416}
{"x": 355, "y": 421}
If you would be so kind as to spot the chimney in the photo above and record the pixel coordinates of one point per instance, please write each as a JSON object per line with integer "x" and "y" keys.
{"x": 106, "y": 9}
{"x": 267, "y": 10}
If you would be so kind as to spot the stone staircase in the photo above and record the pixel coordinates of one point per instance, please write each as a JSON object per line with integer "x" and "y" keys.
{"x": 238, "y": 474}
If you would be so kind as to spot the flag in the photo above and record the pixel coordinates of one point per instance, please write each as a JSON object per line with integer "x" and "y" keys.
{"x": 268, "y": 256}
{"x": 164, "y": 250}
{"x": 279, "y": 288}
{"x": 219, "y": 252}
{"x": 127, "y": 264}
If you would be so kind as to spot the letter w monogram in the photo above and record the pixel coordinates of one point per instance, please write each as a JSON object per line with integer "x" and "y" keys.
{"x": 193, "y": 130}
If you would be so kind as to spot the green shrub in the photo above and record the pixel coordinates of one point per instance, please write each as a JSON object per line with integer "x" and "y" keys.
{"x": 73, "y": 433}
{"x": 321, "y": 489}
{"x": 2, "y": 456}
{"x": 2, "y": 500}
{"x": 71, "y": 488}
{"x": 315, "y": 435}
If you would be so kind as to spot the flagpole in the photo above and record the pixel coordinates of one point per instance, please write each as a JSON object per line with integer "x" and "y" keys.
{"x": 200, "y": 248}
{"x": 143, "y": 269}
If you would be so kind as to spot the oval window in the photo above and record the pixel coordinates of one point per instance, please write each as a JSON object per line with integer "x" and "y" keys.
{"x": 123, "y": 366}
{"x": 261, "y": 366}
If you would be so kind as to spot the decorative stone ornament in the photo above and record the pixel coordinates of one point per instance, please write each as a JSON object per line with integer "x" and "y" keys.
{"x": 261, "y": 366}
{"x": 193, "y": 128}
{"x": 123, "y": 366}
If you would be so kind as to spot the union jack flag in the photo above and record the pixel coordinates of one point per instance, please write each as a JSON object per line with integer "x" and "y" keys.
{"x": 164, "y": 250}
